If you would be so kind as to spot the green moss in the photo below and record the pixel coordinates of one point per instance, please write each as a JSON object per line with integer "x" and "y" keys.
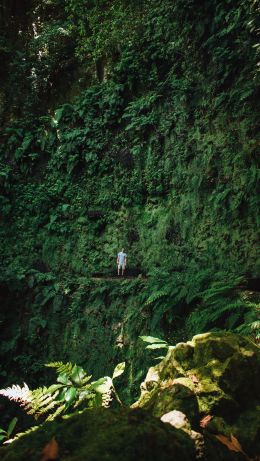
{"x": 109, "y": 435}
{"x": 138, "y": 130}
{"x": 218, "y": 378}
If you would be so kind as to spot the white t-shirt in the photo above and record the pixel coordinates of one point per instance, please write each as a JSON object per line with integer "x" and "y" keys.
{"x": 121, "y": 258}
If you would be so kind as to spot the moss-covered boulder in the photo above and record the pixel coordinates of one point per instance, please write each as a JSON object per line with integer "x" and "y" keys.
{"x": 215, "y": 374}
{"x": 206, "y": 394}
{"x": 105, "y": 435}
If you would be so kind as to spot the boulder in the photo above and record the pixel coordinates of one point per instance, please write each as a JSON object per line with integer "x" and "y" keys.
{"x": 177, "y": 419}
{"x": 105, "y": 435}
{"x": 216, "y": 375}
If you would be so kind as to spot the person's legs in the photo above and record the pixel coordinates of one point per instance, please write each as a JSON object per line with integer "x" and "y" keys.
{"x": 118, "y": 269}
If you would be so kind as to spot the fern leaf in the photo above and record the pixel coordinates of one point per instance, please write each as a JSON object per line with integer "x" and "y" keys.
{"x": 56, "y": 413}
{"x": 64, "y": 368}
{"x": 42, "y": 401}
{"x": 155, "y": 296}
{"x": 18, "y": 394}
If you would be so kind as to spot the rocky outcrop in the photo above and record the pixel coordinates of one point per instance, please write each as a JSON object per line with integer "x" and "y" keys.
{"x": 211, "y": 381}
{"x": 104, "y": 435}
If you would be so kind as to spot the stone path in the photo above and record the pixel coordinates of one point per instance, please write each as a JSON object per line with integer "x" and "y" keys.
{"x": 120, "y": 278}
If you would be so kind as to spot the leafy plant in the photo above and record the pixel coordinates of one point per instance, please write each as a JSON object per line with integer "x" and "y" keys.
{"x": 155, "y": 343}
{"x": 223, "y": 306}
{"x": 72, "y": 390}
{"x": 146, "y": 112}
{"x": 5, "y": 435}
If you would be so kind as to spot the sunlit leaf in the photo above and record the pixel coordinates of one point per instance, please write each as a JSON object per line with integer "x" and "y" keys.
{"x": 157, "y": 346}
{"x": 119, "y": 370}
{"x": 54, "y": 387}
{"x": 61, "y": 395}
{"x": 102, "y": 385}
{"x": 63, "y": 378}
{"x": 70, "y": 394}
{"x": 77, "y": 374}
{"x": 151, "y": 339}
{"x": 58, "y": 115}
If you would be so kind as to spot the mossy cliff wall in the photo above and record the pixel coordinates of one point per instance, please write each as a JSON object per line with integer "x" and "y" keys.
{"x": 95, "y": 324}
{"x": 130, "y": 124}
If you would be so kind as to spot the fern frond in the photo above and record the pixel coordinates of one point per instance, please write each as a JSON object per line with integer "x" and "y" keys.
{"x": 17, "y": 393}
{"x": 64, "y": 368}
{"x": 26, "y": 432}
{"x": 71, "y": 389}
{"x": 86, "y": 394}
{"x": 155, "y": 296}
{"x": 56, "y": 413}
{"x": 86, "y": 379}
{"x": 250, "y": 328}
{"x": 255, "y": 325}
{"x": 42, "y": 402}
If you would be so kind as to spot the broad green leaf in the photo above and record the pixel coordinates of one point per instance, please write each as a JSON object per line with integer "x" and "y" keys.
{"x": 100, "y": 381}
{"x": 157, "y": 346}
{"x": 61, "y": 396}
{"x": 2, "y": 437}
{"x": 151, "y": 339}
{"x": 58, "y": 115}
{"x": 11, "y": 426}
{"x": 119, "y": 370}
{"x": 2, "y": 431}
{"x": 102, "y": 385}
{"x": 63, "y": 378}
{"x": 54, "y": 388}
{"x": 77, "y": 374}
{"x": 70, "y": 394}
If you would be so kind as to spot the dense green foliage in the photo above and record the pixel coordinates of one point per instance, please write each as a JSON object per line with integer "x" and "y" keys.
{"x": 125, "y": 124}
{"x": 73, "y": 390}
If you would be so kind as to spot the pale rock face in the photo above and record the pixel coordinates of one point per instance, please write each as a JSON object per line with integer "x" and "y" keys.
{"x": 151, "y": 379}
{"x": 176, "y": 419}
{"x": 215, "y": 374}
{"x": 179, "y": 420}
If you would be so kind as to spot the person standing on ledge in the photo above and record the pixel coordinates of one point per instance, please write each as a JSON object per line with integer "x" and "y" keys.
{"x": 121, "y": 262}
